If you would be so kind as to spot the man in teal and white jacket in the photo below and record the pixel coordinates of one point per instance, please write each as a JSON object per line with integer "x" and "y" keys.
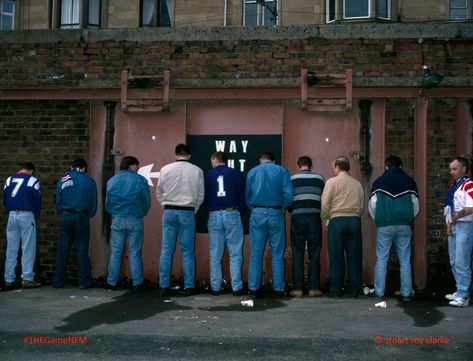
{"x": 393, "y": 205}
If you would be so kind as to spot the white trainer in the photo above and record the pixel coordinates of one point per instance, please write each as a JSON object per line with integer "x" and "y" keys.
{"x": 459, "y": 302}
{"x": 451, "y": 296}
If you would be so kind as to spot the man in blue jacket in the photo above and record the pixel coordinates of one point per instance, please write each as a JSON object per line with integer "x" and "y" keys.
{"x": 393, "y": 205}
{"x": 128, "y": 200}
{"x": 268, "y": 193}
{"x": 22, "y": 200}
{"x": 76, "y": 203}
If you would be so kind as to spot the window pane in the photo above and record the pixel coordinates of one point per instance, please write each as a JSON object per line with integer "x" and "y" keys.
{"x": 269, "y": 18}
{"x": 251, "y": 14}
{"x": 69, "y": 14}
{"x": 458, "y": 14}
{"x": 356, "y": 8}
{"x": 164, "y": 11}
{"x": 457, "y": 3}
{"x": 7, "y": 7}
{"x": 382, "y": 9}
{"x": 94, "y": 13}
{"x": 330, "y": 4}
{"x": 147, "y": 13}
{"x": 6, "y": 22}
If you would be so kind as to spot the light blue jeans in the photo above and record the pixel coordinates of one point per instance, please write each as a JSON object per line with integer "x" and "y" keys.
{"x": 177, "y": 223}
{"x": 460, "y": 245}
{"x": 267, "y": 223}
{"x": 126, "y": 228}
{"x": 225, "y": 228}
{"x": 387, "y": 236}
{"x": 21, "y": 229}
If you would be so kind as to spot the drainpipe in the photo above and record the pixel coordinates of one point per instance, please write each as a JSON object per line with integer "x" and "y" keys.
{"x": 365, "y": 118}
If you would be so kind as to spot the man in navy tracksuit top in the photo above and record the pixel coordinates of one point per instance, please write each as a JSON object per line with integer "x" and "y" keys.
{"x": 393, "y": 205}
{"x": 76, "y": 203}
{"x": 225, "y": 199}
{"x": 22, "y": 200}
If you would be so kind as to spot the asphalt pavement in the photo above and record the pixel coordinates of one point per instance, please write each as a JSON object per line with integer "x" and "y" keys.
{"x": 98, "y": 324}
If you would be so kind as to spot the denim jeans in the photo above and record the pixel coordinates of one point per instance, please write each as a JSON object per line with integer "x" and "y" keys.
{"x": 460, "y": 245}
{"x": 177, "y": 223}
{"x": 21, "y": 229}
{"x": 74, "y": 229}
{"x": 225, "y": 228}
{"x": 306, "y": 227}
{"x": 344, "y": 238}
{"x": 399, "y": 236}
{"x": 126, "y": 228}
{"x": 267, "y": 223}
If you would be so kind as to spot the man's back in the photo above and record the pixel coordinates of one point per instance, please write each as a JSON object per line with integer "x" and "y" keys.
{"x": 308, "y": 187}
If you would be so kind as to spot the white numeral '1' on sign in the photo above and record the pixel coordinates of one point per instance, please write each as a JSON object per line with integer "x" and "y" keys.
{"x": 221, "y": 187}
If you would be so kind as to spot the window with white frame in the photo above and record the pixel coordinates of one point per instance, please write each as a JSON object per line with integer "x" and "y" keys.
{"x": 155, "y": 12}
{"x": 458, "y": 9}
{"x": 7, "y": 15}
{"x": 356, "y": 9}
{"x": 70, "y": 18}
{"x": 76, "y": 14}
{"x": 260, "y": 12}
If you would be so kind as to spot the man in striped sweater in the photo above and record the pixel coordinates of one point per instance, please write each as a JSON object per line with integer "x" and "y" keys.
{"x": 306, "y": 227}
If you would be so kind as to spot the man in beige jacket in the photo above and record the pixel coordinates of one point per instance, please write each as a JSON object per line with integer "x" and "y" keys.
{"x": 342, "y": 205}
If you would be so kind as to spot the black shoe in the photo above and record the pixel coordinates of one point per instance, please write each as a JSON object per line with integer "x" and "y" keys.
{"x": 110, "y": 287}
{"x": 164, "y": 291}
{"x": 57, "y": 285}
{"x": 87, "y": 287}
{"x": 187, "y": 292}
{"x": 253, "y": 293}
{"x": 9, "y": 286}
{"x": 353, "y": 296}
{"x": 333, "y": 295}
{"x": 214, "y": 293}
{"x": 240, "y": 292}
{"x": 280, "y": 294}
{"x": 407, "y": 298}
{"x": 138, "y": 288}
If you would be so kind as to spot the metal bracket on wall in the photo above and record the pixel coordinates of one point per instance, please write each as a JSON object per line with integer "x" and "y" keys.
{"x": 326, "y": 92}
{"x": 141, "y": 93}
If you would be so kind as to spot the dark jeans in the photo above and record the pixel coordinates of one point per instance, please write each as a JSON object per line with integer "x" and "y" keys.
{"x": 306, "y": 227}
{"x": 344, "y": 238}
{"x": 73, "y": 230}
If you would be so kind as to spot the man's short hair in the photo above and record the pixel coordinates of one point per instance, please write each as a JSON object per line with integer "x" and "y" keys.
{"x": 183, "y": 150}
{"x": 79, "y": 163}
{"x": 463, "y": 162}
{"x": 28, "y": 166}
{"x": 342, "y": 163}
{"x": 127, "y": 161}
{"x": 304, "y": 161}
{"x": 221, "y": 157}
{"x": 393, "y": 161}
{"x": 267, "y": 156}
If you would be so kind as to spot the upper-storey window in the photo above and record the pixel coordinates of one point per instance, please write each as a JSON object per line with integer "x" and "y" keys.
{"x": 356, "y": 9}
{"x": 260, "y": 13}
{"x": 458, "y": 9}
{"x": 7, "y": 15}
{"x": 156, "y": 12}
{"x": 76, "y": 14}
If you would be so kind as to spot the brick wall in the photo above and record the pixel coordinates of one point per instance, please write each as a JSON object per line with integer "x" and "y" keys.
{"x": 51, "y": 134}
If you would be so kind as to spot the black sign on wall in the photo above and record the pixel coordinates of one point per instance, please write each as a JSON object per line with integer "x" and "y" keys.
{"x": 243, "y": 153}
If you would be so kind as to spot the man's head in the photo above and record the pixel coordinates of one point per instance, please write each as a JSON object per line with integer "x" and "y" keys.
{"x": 393, "y": 161}
{"x": 27, "y": 167}
{"x": 304, "y": 162}
{"x": 340, "y": 164}
{"x": 183, "y": 151}
{"x": 459, "y": 167}
{"x": 218, "y": 158}
{"x": 130, "y": 163}
{"x": 79, "y": 165}
{"x": 266, "y": 156}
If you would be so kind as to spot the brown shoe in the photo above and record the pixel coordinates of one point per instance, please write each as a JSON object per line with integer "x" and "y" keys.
{"x": 30, "y": 284}
{"x": 315, "y": 293}
{"x": 296, "y": 293}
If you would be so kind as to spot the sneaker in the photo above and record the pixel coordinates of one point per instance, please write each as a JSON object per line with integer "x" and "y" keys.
{"x": 253, "y": 293}
{"x": 280, "y": 294}
{"x": 315, "y": 293}
{"x": 187, "y": 292}
{"x": 110, "y": 287}
{"x": 296, "y": 293}
{"x": 164, "y": 291}
{"x": 451, "y": 296}
{"x": 30, "y": 284}
{"x": 214, "y": 293}
{"x": 9, "y": 286}
{"x": 240, "y": 292}
{"x": 459, "y": 302}
{"x": 407, "y": 298}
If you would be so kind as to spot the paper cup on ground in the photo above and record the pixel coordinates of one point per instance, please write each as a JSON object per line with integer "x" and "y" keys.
{"x": 381, "y": 304}
{"x": 247, "y": 303}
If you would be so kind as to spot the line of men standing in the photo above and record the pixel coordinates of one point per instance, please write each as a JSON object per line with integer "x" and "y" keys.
{"x": 269, "y": 191}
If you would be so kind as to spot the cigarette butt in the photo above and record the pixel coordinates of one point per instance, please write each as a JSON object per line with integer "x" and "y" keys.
{"x": 381, "y": 304}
